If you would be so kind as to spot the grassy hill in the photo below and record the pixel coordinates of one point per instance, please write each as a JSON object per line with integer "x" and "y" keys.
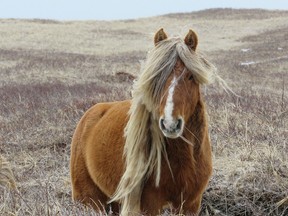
{"x": 52, "y": 72}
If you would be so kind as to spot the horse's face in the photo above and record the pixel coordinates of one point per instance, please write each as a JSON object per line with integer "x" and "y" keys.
{"x": 180, "y": 94}
{"x": 180, "y": 97}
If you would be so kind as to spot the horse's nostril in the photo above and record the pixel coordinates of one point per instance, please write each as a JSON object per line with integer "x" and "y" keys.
{"x": 162, "y": 123}
{"x": 179, "y": 124}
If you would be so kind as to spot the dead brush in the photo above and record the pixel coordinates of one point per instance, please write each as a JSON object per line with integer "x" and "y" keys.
{"x": 6, "y": 176}
{"x": 50, "y": 77}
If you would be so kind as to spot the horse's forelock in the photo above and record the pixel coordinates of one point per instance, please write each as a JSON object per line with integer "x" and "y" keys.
{"x": 161, "y": 61}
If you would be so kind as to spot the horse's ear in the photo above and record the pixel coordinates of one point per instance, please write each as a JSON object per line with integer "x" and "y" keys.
{"x": 159, "y": 36}
{"x": 191, "y": 40}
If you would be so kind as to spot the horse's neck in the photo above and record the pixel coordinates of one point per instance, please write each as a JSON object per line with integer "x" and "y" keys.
{"x": 196, "y": 128}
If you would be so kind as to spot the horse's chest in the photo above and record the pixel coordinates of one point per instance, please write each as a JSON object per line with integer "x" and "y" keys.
{"x": 182, "y": 182}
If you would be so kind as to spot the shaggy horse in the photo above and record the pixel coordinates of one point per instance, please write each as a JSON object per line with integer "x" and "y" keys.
{"x": 154, "y": 150}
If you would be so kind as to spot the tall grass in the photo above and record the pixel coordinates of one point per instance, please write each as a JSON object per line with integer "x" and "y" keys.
{"x": 44, "y": 92}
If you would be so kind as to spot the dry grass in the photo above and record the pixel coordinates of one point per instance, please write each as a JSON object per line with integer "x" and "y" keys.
{"x": 51, "y": 72}
{"x": 6, "y": 175}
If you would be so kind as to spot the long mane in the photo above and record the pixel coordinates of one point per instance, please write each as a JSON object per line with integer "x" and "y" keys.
{"x": 144, "y": 145}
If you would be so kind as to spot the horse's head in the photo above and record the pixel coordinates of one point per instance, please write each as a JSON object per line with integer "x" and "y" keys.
{"x": 180, "y": 93}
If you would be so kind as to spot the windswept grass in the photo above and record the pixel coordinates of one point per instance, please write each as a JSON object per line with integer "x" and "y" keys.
{"x": 52, "y": 72}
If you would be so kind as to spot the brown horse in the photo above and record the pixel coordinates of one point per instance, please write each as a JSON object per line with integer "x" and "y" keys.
{"x": 154, "y": 150}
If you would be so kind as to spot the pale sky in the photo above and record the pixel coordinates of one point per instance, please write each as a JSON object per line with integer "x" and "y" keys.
{"x": 120, "y": 9}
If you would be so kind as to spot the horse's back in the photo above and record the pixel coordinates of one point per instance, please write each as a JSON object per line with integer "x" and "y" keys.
{"x": 97, "y": 150}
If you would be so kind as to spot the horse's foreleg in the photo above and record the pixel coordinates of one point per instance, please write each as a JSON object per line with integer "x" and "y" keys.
{"x": 152, "y": 201}
{"x": 192, "y": 207}
{"x": 84, "y": 189}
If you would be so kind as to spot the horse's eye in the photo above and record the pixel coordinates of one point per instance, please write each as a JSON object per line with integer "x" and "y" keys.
{"x": 191, "y": 77}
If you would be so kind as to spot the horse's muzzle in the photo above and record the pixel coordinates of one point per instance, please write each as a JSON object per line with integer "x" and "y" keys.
{"x": 171, "y": 128}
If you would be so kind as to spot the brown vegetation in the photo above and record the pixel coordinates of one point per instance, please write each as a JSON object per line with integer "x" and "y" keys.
{"x": 52, "y": 72}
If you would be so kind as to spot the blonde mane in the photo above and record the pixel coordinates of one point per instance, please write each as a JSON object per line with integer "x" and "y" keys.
{"x": 144, "y": 145}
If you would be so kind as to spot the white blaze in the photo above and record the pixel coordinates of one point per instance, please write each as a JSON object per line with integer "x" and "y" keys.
{"x": 168, "y": 110}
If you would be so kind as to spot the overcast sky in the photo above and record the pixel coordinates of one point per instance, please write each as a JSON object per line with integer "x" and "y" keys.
{"x": 120, "y": 9}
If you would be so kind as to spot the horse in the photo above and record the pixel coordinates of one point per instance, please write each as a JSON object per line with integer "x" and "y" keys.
{"x": 138, "y": 156}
